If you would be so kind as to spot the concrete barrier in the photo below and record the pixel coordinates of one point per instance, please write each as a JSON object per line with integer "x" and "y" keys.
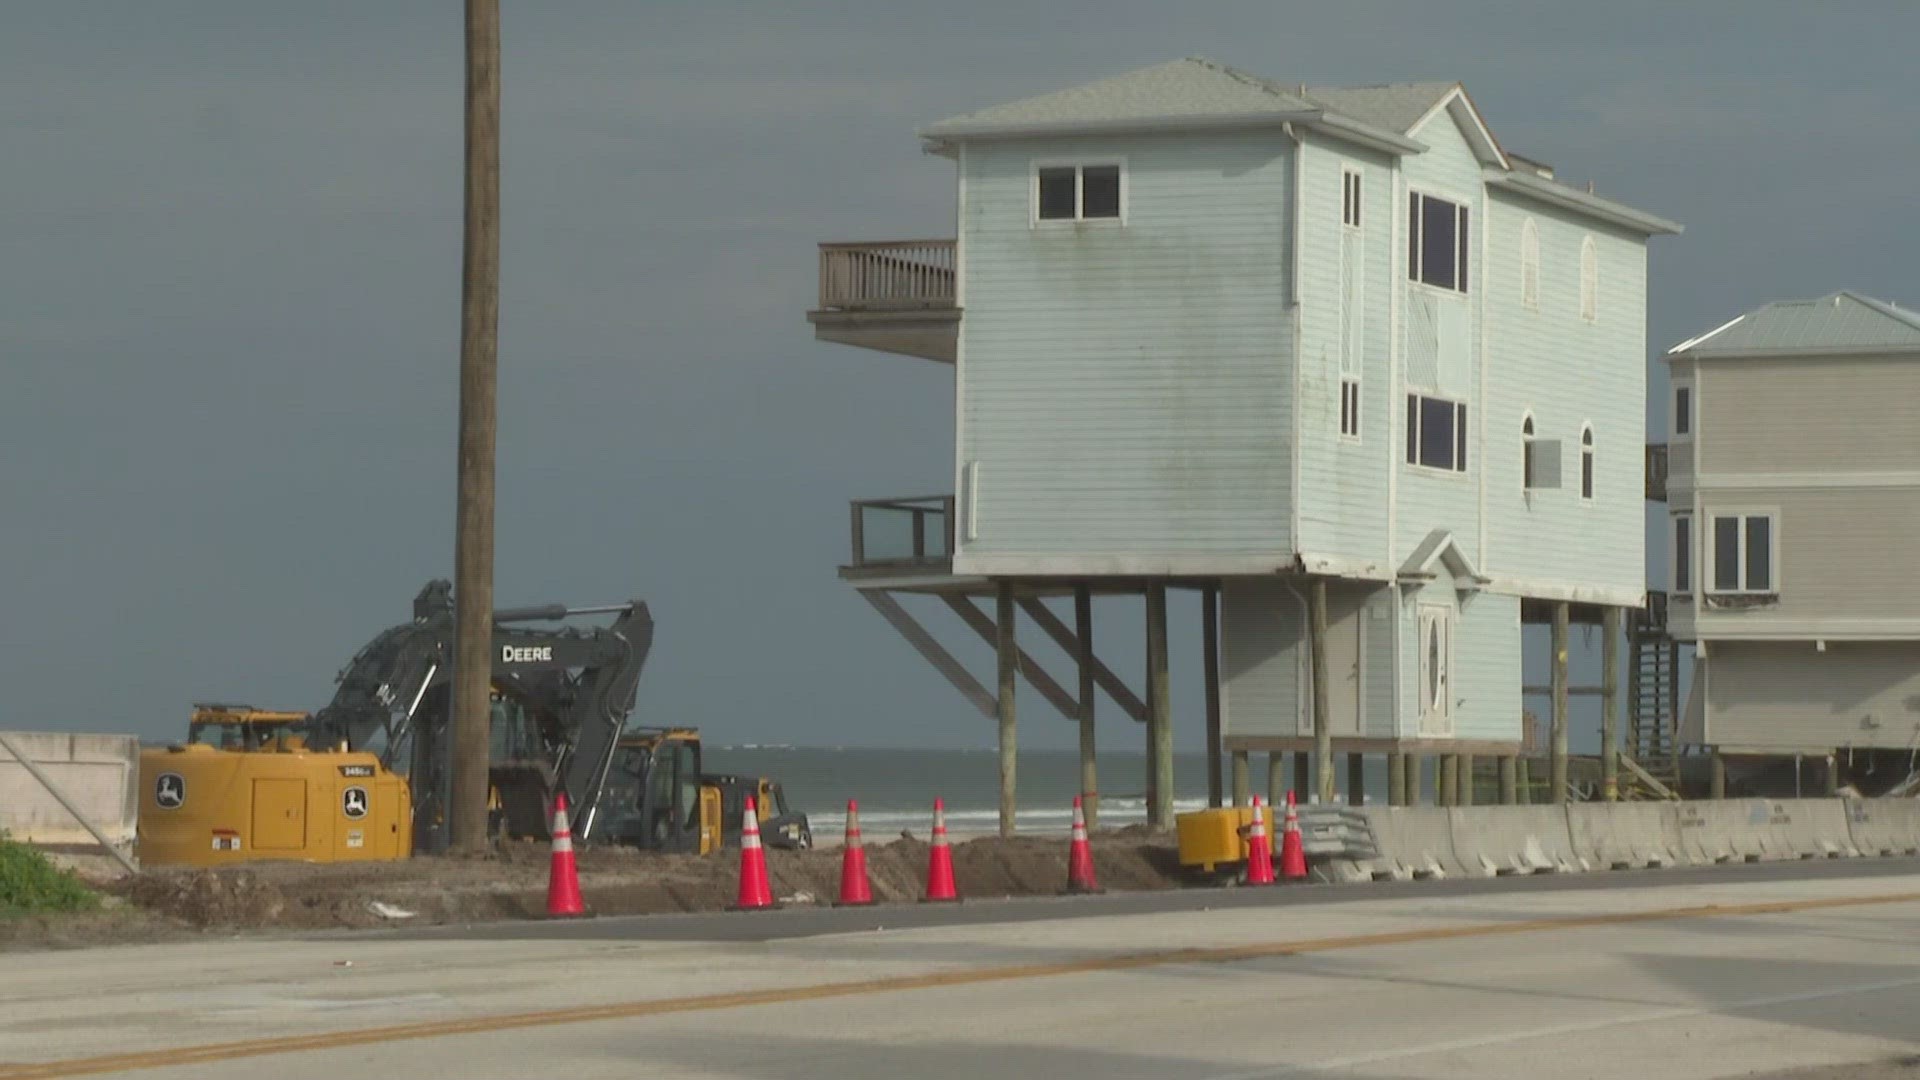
{"x": 1499, "y": 840}
{"x": 1705, "y": 839}
{"x": 97, "y": 772}
{"x": 1884, "y": 826}
{"x": 1625, "y": 836}
{"x": 1412, "y": 842}
{"x": 1812, "y": 828}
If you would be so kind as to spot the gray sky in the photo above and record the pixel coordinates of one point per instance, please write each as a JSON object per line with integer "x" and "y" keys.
{"x": 231, "y": 274}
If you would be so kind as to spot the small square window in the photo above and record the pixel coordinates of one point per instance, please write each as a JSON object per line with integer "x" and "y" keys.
{"x": 1057, "y": 194}
{"x": 1743, "y": 556}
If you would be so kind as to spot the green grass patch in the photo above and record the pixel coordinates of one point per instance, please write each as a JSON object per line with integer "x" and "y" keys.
{"x": 31, "y": 885}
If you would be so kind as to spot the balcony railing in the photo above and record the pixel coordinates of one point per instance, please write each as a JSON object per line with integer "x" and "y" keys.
{"x": 1657, "y": 472}
{"x": 899, "y": 275}
{"x": 903, "y": 532}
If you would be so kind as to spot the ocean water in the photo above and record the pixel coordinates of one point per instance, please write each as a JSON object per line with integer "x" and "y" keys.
{"x": 896, "y": 788}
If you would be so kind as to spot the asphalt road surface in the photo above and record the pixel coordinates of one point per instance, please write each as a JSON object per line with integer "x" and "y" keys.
{"x": 1736, "y": 971}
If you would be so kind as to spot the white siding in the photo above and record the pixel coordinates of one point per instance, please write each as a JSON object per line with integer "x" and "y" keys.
{"x": 1126, "y": 390}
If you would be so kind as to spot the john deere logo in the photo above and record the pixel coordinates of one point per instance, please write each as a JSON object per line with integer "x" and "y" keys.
{"x": 170, "y": 791}
{"x": 353, "y": 802}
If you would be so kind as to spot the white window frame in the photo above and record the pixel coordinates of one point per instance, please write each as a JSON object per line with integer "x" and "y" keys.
{"x": 1692, "y": 411}
{"x": 1589, "y": 464}
{"x": 1353, "y": 188}
{"x": 1589, "y": 280}
{"x": 1530, "y": 265}
{"x": 1079, "y": 165}
{"x": 1352, "y": 380}
{"x": 1459, "y": 472}
{"x": 1709, "y": 549}
{"x": 1679, "y": 531}
{"x": 1462, "y": 241}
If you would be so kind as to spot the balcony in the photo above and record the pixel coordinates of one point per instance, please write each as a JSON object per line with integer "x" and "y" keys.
{"x": 893, "y": 296}
{"x": 894, "y": 534}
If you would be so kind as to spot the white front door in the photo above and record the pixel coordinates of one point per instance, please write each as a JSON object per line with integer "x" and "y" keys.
{"x": 1436, "y": 670}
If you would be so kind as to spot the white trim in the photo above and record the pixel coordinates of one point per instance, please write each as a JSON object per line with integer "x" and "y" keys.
{"x": 1446, "y": 102}
{"x": 1345, "y": 567}
{"x": 939, "y": 136}
{"x": 971, "y": 493}
{"x": 1674, "y": 386}
{"x": 1297, "y": 312}
{"x": 1693, "y": 341}
{"x": 1803, "y": 480}
{"x": 1009, "y": 564}
{"x": 1757, "y": 626}
{"x": 1589, "y": 280}
{"x": 1396, "y": 380}
{"x": 1709, "y": 549}
{"x": 960, "y": 338}
{"x": 1529, "y": 260}
{"x": 1588, "y": 446}
{"x": 1571, "y": 591}
{"x": 1079, "y": 164}
{"x": 1484, "y": 228}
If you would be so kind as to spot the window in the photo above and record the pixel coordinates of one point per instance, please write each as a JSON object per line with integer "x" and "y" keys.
{"x": 1742, "y": 551}
{"x": 1436, "y": 433}
{"x": 1586, "y": 463}
{"x": 1077, "y": 192}
{"x": 1526, "y": 453}
{"x": 1683, "y": 555}
{"x": 1682, "y": 419}
{"x": 1350, "y": 408}
{"x": 1437, "y": 242}
{"x": 1530, "y": 265}
{"x": 1350, "y": 197}
{"x": 1589, "y": 281}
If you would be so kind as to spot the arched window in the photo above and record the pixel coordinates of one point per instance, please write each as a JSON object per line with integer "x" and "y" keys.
{"x": 1530, "y": 265}
{"x": 1526, "y": 452}
{"x": 1589, "y": 281}
{"x": 1586, "y": 462}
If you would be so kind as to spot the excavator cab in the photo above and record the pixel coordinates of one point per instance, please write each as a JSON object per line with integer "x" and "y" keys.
{"x": 654, "y": 798}
{"x": 245, "y": 728}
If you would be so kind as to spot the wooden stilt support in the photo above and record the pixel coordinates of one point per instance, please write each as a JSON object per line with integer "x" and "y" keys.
{"x": 1717, "y": 781}
{"x": 1558, "y": 768}
{"x": 1831, "y": 775}
{"x": 1610, "y": 705}
{"x": 1276, "y": 779}
{"x": 1523, "y": 775}
{"x": 1509, "y": 780}
{"x": 1210, "y": 649}
{"x": 1159, "y": 713}
{"x": 1356, "y": 779}
{"x": 1242, "y": 782}
{"x": 1396, "y": 780}
{"x": 1466, "y": 780}
{"x": 1083, "y": 642}
{"x": 1322, "y": 714}
{"x": 1414, "y": 767}
{"x": 1009, "y": 656}
{"x": 1449, "y": 784}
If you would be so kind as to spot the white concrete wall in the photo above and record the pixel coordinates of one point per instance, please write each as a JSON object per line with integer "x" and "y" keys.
{"x": 98, "y": 773}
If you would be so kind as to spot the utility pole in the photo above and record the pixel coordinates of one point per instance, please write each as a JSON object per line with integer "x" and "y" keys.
{"x": 479, "y": 363}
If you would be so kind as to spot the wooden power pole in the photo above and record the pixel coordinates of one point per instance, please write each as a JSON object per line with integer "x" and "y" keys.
{"x": 479, "y": 363}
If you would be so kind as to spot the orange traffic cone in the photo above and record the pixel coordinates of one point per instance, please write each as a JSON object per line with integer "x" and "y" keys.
{"x": 563, "y": 876}
{"x": 1080, "y": 856}
{"x": 1293, "y": 857}
{"x": 855, "y": 890}
{"x": 1259, "y": 849}
{"x": 940, "y": 885}
{"x": 756, "y": 892}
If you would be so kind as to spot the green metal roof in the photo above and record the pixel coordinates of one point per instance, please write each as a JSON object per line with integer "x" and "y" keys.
{"x": 1836, "y": 324}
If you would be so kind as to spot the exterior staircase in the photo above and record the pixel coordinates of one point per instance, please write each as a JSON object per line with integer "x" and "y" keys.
{"x": 1653, "y": 701}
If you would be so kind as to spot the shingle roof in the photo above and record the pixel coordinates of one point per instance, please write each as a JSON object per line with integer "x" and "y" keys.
{"x": 1195, "y": 87}
{"x": 1836, "y": 323}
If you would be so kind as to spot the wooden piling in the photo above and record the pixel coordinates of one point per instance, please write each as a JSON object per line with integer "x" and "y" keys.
{"x": 1557, "y": 770}
{"x": 1210, "y": 647}
{"x": 1089, "y": 771}
{"x": 1242, "y": 782}
{"x": 1322, "y": 718}
{"x": 1009, "y": 658}
{"x": 1610, "y": 705}
{"x": 1396, "y": 780}
{"x": 1509, "y": 780}
{"x": 1159, "y": 713}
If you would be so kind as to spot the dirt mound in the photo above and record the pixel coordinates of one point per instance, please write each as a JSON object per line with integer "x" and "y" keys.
{"x": 510, "y": 882}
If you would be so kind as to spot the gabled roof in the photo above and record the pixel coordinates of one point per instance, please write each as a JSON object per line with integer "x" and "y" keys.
{"x": 1194, "y": 93}
{"x": 1836, "y": 324}
{"x": 1440, "y": 549}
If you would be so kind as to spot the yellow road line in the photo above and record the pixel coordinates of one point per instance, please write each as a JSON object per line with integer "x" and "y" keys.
{"x": 434, "y": 1029}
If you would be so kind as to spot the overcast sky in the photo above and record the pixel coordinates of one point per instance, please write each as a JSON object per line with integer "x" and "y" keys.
{"x": 230, "y": 282}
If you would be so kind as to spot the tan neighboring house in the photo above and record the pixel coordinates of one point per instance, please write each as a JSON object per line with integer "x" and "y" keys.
{"x": 1794, "y": 492}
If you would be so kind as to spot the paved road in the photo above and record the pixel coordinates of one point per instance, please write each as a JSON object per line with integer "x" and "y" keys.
{"x": 1646, "y": 977}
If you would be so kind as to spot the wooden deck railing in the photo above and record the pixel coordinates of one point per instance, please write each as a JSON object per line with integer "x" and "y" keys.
{"x": 898, "y": 275}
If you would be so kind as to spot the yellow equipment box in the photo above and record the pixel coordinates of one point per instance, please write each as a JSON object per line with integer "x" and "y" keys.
{"x": 200, "y": 806}
{"x": 1209, "y": 838}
